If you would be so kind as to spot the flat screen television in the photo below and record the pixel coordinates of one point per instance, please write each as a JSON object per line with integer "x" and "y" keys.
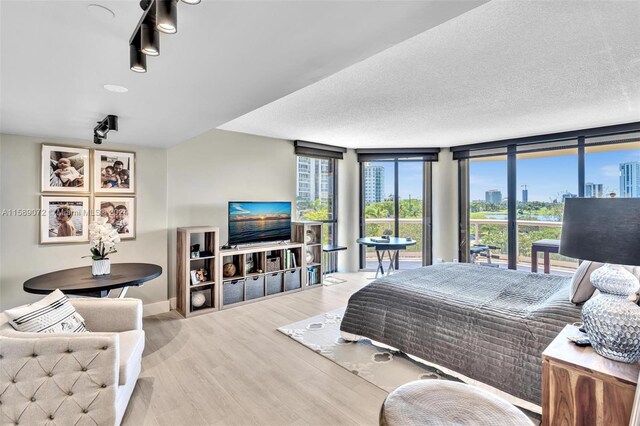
{"x": 259, "y": 221}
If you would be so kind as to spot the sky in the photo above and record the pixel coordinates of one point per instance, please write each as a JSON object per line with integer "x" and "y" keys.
{"x": 548, "y": 177}
{"x": 410, "y": 177}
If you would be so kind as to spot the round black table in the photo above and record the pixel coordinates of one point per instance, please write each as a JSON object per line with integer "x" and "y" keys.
{"x": 80, "y": 281}
{"x": 391, "y": 245}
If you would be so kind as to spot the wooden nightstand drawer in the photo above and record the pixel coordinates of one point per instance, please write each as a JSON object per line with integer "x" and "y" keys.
{"x": 579, "y": 387}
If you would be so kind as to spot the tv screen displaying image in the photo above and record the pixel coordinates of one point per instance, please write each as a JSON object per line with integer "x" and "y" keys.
{"x": 253, "y": 221}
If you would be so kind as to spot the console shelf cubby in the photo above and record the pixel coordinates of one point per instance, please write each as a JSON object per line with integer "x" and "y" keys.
{"x": 310, "y": 234}
{"x": 205, "y": 268}
{"x": 261, "y": 271}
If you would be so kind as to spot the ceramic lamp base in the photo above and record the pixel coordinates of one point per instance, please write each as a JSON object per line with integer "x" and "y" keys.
{"x": 101, "y": 267}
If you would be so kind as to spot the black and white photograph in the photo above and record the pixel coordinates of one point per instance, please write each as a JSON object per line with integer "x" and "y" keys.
{"x": 64, "y": 169}
{"x": 64, "y": 219}
{"x": 120, "y": 213}
{"x": 114, "y": 172}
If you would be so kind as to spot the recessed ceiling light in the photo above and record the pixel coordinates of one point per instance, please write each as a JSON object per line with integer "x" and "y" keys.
{"x": 115, "y": 88}
{"x": 101, "y": 12}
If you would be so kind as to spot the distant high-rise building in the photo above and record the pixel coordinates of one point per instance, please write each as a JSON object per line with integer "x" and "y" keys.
{"x": 313, "y": 179}
{"x": 630, "y": 179}
{"x": 593, "y": 190}
{"x": 525, "y": 195}
{"x": 373, "y": 184}
{"x": 568, "y": 195}
{"x": 493, "y": 196}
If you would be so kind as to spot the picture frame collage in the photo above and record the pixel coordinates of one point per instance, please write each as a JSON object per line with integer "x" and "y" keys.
{"x": 80, "y": 184}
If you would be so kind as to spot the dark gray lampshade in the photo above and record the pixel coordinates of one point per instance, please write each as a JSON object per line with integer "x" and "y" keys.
{"x": 602, "y": 229}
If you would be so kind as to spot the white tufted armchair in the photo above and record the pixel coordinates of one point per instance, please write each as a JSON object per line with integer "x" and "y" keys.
{"x": 73, "y": 379}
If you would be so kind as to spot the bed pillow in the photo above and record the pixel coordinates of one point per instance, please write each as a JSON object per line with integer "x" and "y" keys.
{"x": 53, "y": 314}
{"x": 581, "y": 287}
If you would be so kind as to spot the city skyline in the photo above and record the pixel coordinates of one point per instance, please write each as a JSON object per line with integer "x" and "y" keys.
{"x": 410, "y": 175}
{"x": 559, "y": 175}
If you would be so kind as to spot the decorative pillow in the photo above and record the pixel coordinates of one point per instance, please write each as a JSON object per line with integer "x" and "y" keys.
{"x": 53, "y": 314}
{"x": 581, "y": 287}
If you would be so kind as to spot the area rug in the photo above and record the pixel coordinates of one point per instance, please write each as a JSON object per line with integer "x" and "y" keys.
{"x": 381, "y": 367}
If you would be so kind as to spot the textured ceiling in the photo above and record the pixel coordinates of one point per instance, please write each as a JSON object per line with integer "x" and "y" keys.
{"x": 228, "y": 58}
{"x": 502, "y": 70}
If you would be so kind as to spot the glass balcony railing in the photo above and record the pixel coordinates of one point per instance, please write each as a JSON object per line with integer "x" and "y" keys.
{"x": 483, "y": 231}
{"x": 494, "y": 232}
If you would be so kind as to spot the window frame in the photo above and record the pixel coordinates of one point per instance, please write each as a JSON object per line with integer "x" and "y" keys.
{"x": 333, "y": 205}
{"x": 427, "y": 206}
{"x": 510, "y": 148}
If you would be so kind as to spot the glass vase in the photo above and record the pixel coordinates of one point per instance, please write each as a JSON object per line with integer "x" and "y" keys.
{"x": 611, "y": 320}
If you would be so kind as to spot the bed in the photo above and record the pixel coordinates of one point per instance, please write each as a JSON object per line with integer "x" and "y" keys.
{"x": 488, "y": 324}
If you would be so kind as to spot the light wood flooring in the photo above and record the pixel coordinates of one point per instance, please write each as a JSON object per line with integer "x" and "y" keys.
{"x": 233, "y": 367}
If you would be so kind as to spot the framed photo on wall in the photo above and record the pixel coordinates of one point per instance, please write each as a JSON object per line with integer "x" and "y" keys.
{"x": 64, "y": 219}
{"x": 120, "y": 213}
{"x": 64, "y": 169}
{"x": 114, "y": 172}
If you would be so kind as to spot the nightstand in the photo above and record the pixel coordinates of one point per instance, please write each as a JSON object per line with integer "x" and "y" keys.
{"x": 580, "y": 387}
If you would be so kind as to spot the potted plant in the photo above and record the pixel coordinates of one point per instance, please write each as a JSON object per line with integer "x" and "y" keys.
{"x": 103, "y": 238}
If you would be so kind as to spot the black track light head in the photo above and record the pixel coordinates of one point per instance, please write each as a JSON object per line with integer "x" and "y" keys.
{"x": 110, "y": 122}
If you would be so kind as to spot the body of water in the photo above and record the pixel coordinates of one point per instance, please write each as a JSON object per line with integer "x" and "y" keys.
{"x": 253, "y": 231}
{"x": 500, "y": 216}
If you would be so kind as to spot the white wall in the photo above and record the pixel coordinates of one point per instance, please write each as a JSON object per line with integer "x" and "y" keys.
{"x": 208, "y": 171}
{"x": 21, "y": 255}
{"x": 348, "y": 211}
{"x": 445, "y": 207}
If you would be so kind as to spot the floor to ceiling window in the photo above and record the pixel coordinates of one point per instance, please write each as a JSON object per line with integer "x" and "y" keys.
{"x": 315, "y": 194}
{"x": 488, "y": 208}
{"x": 396, "y": 199}
{"x": 512, "y": 193}
{"x": 544, "y": 180}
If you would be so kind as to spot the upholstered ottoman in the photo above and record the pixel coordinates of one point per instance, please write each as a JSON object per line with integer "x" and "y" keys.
{"x": 439, "y": 402}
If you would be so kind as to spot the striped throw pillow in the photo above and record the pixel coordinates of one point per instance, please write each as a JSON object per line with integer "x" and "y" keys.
{"x": 52, "y": 314}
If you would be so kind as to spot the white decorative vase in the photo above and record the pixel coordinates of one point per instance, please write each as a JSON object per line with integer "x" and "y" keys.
{"x": 101, "y": 267}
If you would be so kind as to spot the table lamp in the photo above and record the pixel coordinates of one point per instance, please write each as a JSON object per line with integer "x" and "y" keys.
{"x": 607, "y": 230}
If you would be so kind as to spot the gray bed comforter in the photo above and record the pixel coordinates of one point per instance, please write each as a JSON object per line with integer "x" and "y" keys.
{"x": 488, "y": 324}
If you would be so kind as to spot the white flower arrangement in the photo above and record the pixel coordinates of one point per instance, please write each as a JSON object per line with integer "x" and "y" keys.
{"x": 103, "y": 237}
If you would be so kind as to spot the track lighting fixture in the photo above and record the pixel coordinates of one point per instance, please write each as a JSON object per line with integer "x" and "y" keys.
{"x": 149, "y": 40}
{"x": 159, "y": 16}
{"x": 137, "y": 59}
{"x": 110, "y": 122}
{"x": 167, "y": 16}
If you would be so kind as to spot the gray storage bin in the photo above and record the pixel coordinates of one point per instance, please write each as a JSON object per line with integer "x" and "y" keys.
{"x": 233, "y": 292}
{"x": 255, "y": 287}
{"x": 274, "y": 283}
{"x": 292, "y": 279}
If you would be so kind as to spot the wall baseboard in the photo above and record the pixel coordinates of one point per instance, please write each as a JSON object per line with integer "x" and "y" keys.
{"x": 156, "y": 308}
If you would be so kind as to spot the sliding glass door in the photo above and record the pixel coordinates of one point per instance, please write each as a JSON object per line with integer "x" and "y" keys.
{"x": 545, "y": 179}
{"x": 488, "y": 210}
{"x": 379, "y": 204}
{"x": 393, "y": 200}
